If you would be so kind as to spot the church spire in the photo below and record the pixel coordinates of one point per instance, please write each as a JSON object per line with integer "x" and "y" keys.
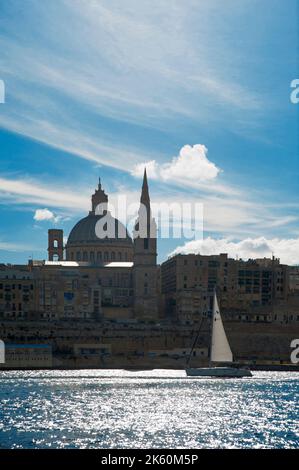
{"x": 145, "y": 224}
{"x": 145, "y": 199}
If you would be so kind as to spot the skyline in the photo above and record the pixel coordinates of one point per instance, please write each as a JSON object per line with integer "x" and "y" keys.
{"x": 207, "y": 110}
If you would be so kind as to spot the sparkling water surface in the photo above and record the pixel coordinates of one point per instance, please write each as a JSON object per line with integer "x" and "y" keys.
{"x": 148, "y": 409}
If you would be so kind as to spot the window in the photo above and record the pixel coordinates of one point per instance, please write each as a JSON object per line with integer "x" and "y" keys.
{"x": 145, "y": 243}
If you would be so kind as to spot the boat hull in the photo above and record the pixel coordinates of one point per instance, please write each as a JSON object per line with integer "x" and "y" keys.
{"x": 218, "y": 372}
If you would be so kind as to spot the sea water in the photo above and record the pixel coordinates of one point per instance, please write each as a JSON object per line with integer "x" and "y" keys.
{"x": 148, "y": 409}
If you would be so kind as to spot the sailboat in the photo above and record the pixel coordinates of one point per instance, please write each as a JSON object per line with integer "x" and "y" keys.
{"x": 220, "y": 352}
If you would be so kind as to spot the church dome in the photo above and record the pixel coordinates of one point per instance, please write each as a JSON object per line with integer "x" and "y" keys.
{"x": 85, "y": 232}
{"x": 99, "y": 237}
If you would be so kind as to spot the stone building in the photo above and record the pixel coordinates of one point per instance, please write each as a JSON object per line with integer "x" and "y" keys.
{"x": 17, "y": 292}
{"x": 247, "y": 290}
{"x": 100, "y": 273}
{"x": 294, "y": 279}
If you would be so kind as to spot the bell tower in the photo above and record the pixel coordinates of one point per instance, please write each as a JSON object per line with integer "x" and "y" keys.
{"x": 145, "y": 259}
{"x": 99, "y": 198}
{"x": 55, "y": 245}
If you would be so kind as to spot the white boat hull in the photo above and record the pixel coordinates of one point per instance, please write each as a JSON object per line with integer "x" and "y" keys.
{"x": 218, "y": 372}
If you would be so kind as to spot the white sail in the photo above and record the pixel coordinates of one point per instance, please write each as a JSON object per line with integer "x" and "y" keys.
{"x": 220, "y": 348}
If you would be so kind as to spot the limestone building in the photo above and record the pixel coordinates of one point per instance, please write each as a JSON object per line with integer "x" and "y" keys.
{"x": 98, "y": 274}
{"x": 247, "y": 290}
{"x": 102, "y": 272}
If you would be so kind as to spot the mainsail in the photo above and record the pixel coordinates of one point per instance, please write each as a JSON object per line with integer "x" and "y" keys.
{"x": 220, "y": 348}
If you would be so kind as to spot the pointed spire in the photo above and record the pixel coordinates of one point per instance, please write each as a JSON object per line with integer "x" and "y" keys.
{"x": 145, "y": 224}
{"x": 145, "y": 199}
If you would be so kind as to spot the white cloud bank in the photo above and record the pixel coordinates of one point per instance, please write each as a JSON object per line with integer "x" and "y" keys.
{"x": 190, "y": 166}
{"x": 285, "y": 249}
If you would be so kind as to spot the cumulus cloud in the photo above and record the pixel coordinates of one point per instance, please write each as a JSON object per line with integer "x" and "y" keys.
{"x": 45, "y": 214}
{"x": 285, "y": 249}
{"x": 191, "y": 165}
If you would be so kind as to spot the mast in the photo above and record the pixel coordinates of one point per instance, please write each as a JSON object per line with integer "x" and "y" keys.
{"x": 194, "y": 343}
{"x": 211, "y": 337}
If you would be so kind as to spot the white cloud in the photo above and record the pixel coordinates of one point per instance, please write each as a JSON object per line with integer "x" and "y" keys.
{"x": 191, "y": 164}
{"x": 44, "y": 214}
{"x": 190, "y": 167}
{"x": 152, "y": 169}
{"x": 285, "y": 249}
{"x": 25, "y": 191}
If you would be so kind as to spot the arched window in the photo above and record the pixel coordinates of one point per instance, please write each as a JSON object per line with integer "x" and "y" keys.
{"x": 85, "y": 256}
{"x": 72, "y": 256}
{"x": 119, "y": 256}
{"x": 78, "y": 256}
{"x": 91, "y": 257}
{"x": 55, "y": 257}
{"x": 55, "y": 243}
{"x": 112, "y": 256}
{"x": 99, "y": 256}
{"x": 106, "y": 256}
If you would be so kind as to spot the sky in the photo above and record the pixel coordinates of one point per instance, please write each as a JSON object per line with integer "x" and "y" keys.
{"x": 197, "y": 91}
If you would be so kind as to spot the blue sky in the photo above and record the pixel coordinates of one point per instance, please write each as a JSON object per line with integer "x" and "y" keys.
{"x": 100, "y": 88}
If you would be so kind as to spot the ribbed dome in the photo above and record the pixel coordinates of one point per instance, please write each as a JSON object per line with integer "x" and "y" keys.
{"x": 84, "y": 232}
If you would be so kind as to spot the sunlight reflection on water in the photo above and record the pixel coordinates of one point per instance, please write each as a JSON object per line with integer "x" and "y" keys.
{"x": 149, "y": 409}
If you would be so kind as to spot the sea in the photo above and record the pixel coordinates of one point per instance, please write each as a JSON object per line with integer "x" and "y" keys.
{"x": 147, "y": 409}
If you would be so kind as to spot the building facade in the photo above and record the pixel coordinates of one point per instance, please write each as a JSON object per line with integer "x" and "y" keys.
{"x": 101, "y": 272}
{"x": 253, "y": 290}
